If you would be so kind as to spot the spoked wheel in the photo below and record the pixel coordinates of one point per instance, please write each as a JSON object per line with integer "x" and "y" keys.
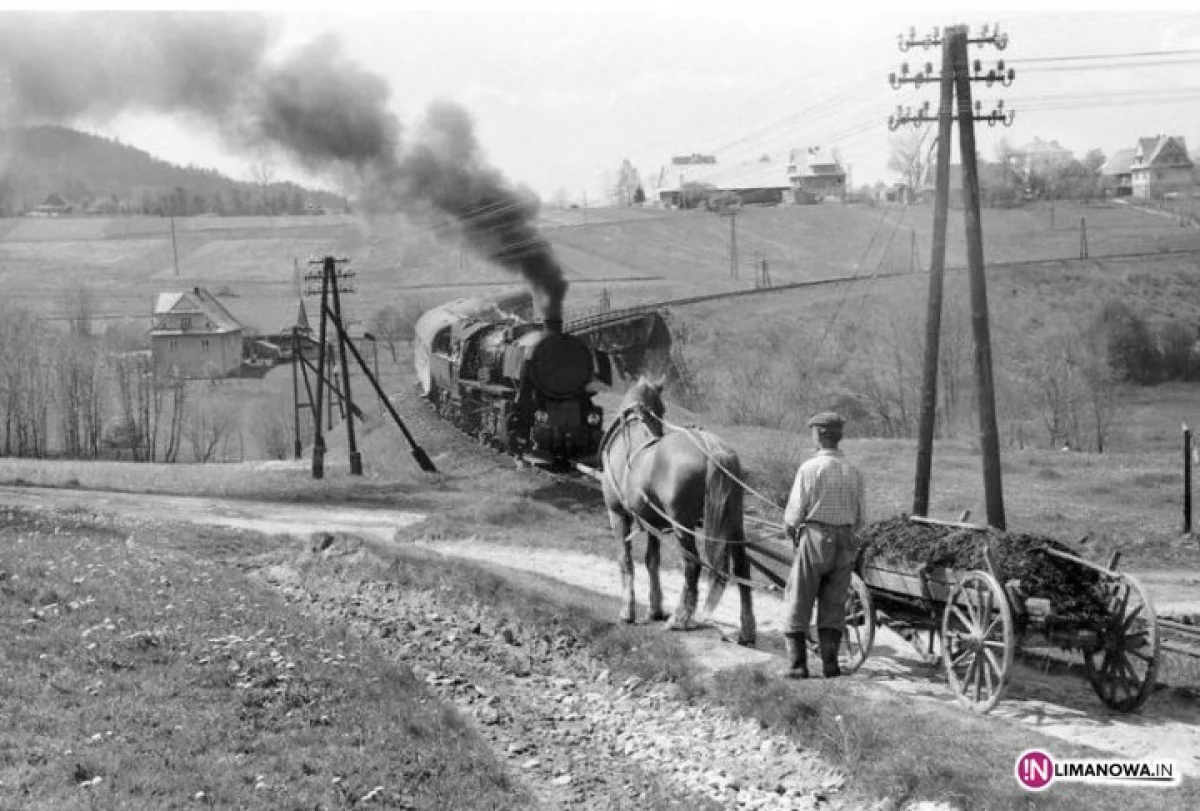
{"x": 859, "y": 634}
{"x": 978, "y": 640}
{"x": 1124, "y": 662}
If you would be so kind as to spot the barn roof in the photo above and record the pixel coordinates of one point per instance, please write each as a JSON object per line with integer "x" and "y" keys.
{"x": 1120, "y": 163}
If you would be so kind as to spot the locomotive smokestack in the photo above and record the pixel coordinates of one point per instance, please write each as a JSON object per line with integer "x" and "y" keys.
{"x": 553, "y": 325}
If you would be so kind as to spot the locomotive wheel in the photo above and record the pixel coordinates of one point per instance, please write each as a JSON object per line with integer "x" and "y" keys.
{"x": 1124, "y": 662}
{"x": 859, "y": 634}
{"x": 978, "y": 640}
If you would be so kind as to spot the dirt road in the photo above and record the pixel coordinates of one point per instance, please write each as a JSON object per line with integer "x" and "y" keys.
{"x": 1059, "y": 704}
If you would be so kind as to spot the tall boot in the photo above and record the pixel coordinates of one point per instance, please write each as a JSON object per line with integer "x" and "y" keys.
{"x": 797, "y": 656}
{"x": 831, "y": 641}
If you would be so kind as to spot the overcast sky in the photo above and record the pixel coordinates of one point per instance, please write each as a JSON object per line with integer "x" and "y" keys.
{"x": 562, "y": 92}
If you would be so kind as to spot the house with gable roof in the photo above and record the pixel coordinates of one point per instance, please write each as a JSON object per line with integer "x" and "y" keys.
{"x": 1160, "y": 166}
{"x": 817, "y": 172}
{"x": 762, "y": 182}
{"x": 193, "y": 335}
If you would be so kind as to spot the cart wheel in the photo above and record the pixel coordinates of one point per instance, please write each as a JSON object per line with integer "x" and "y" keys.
{"x": 978, "y": 640}
{"x": 859, "y": 634}
{"x": 1122, "y": 666}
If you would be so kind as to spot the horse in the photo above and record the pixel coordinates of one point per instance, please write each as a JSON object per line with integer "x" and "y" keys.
{"x": 675, "y": 481}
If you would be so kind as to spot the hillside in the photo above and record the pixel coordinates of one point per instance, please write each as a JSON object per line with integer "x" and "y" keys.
{"x": 92, "y": 174}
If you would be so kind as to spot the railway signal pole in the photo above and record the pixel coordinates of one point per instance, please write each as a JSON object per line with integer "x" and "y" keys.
{"x": 955, "y": 80}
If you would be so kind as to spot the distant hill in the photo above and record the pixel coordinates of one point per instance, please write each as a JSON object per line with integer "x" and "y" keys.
{"x": 67, "y": 172}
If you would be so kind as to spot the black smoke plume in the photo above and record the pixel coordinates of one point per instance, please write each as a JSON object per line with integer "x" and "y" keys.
{"x": 316, "y": 104}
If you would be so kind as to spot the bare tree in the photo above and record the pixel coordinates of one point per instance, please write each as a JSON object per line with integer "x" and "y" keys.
{"x": 392, "y": 325}
{"x": 912, "y": 154}
{"x": 628, "y": 181}
{"x": 264, "y": 176}
{"x": 208, "y": 429}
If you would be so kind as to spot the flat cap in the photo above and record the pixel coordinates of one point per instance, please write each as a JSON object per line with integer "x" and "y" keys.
{"x": 827, "y": 419}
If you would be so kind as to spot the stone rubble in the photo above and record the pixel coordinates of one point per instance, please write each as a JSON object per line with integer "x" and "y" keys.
{"x": 577, "y": 737}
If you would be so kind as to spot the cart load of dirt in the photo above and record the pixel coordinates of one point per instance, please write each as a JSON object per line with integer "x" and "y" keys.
{"x": 1072, "y": 589}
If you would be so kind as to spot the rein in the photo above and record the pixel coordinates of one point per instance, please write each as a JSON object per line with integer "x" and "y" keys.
{"x": 638, "y": 412}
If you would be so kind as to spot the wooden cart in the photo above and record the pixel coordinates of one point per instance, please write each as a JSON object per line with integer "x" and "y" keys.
{"x": 978, "y": 623}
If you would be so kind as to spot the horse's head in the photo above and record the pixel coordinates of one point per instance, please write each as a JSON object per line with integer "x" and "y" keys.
{"x": 646, "y": 394}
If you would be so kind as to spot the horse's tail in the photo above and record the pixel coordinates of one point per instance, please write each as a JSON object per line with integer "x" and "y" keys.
{"x": 724, "y": 532}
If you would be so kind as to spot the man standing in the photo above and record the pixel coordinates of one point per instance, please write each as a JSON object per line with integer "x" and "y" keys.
{"x": 824, "y": 511}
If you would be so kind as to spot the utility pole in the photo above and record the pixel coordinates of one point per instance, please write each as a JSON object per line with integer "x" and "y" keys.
{"x": 955, "y": 80}
{"x": 318, "y": 455}
{"x": 732, "y": 214}
{"x": 937, "y": 264}
{"x": 334, "y": 282}
{"x": 1187, "y": 480}
{"x": 174, "y": 247}
{"x": 298, "y": 447}
{"x": 356, "y": 467}
{"x": 989, "y": 434}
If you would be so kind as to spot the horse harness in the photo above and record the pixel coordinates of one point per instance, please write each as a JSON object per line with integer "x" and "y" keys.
{"x": 638, "y": 412}
{"x": 621, "y": 424}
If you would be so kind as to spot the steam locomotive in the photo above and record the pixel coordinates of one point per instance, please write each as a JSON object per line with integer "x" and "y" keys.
{"x": 523, "y": 386}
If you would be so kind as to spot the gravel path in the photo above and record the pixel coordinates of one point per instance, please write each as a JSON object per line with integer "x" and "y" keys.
{"x": 577, "y": 737}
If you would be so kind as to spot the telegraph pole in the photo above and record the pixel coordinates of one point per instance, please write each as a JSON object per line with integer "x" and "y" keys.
{"x": 174, "y": 247}
{"x": 955, "y": 80}
{"x": 318, "y": 458}
{"x": 937, "y": 265}
{"x": 334, "y": 282}
{"x": 733, "y": 246}
{"x": 356, "y": 467}
{"x": 298, "y": 447}
{"x": 989, "y": 435}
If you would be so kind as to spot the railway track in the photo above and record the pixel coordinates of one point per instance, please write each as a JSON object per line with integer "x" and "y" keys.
{"x": 1180, "y": 637}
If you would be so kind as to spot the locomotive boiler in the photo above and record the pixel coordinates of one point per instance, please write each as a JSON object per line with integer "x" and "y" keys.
{"x": 523, "y": 386}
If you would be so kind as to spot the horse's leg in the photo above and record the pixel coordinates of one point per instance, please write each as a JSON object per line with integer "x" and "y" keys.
{"x": 652, "y": 562}
{"x": 691, "y": 582}
{"x": 622, "y": 525}
{"x": 741, "y": 570}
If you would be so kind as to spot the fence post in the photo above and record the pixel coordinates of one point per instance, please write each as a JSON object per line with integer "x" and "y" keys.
{"x": 1187, "y": 480}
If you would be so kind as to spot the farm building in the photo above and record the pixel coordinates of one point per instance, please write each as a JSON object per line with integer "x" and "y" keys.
{"x": 194, "y": 336}
{"x": 1117, "y": 173}
{"x": 53, "y": 206}
{"x": 692, "y": 179}
{"x": 1039, "y": 157}
{"x": 1161, "y": 166}
{"x": 816, "y": 173}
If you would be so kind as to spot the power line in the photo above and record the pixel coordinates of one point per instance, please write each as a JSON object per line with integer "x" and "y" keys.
{"x": 1114, "y": 68}
{"x": 1080, "y": 58}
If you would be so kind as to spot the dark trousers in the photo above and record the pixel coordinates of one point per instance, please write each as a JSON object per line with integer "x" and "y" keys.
{"x": 821, "y": 570}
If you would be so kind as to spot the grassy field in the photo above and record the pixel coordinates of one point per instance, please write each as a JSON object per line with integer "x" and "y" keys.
{"x": 137, "y": 676}
{"x": 127, "y": 260}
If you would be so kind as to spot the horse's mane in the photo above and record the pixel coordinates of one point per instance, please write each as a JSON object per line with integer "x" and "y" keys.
{"x": 647, "y": 395}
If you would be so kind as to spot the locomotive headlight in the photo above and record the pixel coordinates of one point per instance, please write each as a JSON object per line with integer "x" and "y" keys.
{"x": 541, "y": 417}
{"x": 594, "y": 418}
